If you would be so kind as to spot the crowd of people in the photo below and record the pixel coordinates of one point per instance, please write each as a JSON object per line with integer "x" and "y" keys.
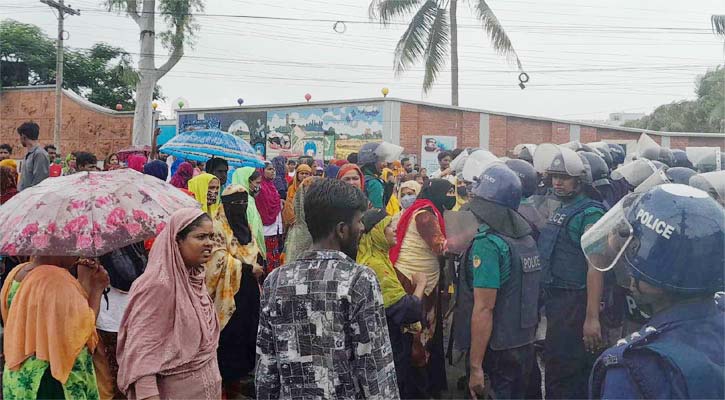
{"x": 345, "y": 278}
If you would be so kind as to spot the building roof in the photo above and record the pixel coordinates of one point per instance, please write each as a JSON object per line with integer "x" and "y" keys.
{"x": 263, "y": 107}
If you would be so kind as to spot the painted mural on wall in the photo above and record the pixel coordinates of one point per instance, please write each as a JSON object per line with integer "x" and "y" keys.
{"x": 322, "y": 132}
{"x": 249, "y": 125}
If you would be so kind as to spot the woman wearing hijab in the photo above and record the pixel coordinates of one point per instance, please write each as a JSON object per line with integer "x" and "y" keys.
{"x": 169, "y": 334}
{"x": 205, "y": 188}
{"x": 50, "y": 329}
{"x": 352, "y": 174}
{"x": 408, "y": 193}
{"x": 269, "y": 205}
{"x": 251, "y": 179}
{"x": 331, "y": 171}
{"x": 403, "y": 311}
{"x": 299, "y": 239}
{"x": 280, "y": 175}
{"x": 288, "y": 212}
{"x": 232, "y": 280}
{"x": 8, "y": 184}
{"x": 420, "y": 241}
{"x": 157, "y": 168}
{"x": 184, "y": 172}
{"x": 136, "y": 162}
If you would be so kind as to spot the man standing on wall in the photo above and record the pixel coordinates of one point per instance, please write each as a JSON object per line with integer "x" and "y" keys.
{"x": 35, "y": 165}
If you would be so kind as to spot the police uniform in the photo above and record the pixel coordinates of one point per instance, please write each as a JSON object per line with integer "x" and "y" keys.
{"x": 565, "y": 276}
{"x": 512, "y": 267}
{"x": 663, "y": 361}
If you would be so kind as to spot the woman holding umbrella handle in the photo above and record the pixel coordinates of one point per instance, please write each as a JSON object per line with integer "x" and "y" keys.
{"x": 50, "y": 320}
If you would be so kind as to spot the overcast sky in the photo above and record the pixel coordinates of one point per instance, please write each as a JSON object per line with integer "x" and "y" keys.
{"x": 586, "y": 58}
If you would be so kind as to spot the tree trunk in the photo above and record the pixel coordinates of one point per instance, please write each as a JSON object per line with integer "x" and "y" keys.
{"x": 454, "y": 53}
{"x": 148, "y": 76}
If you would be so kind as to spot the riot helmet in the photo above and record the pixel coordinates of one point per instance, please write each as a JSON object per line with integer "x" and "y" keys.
{"x": 618, "y": 154}
{"x": 659, "y": 165}
{"x": 560, "y": 161}
{"x": 711, "y": 182}
{"x": 525, "y": 152}
{"x": 662, "y": 155}
{"x": 476, "y": 163}
{"x": 500, "y": 185}
{"x": 705, "y": 159}
{"x": 670, "y": 236}
{"x": 679, "y": 175}
{"x": 680, "y": 159}
{"x": 527, "y": 175}
{"x": 599, "y": 169}
{"x": 635, "y": 172}
{"x": 367, "y": 154}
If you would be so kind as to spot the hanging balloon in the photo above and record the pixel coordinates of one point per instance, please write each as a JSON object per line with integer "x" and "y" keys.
{"x": 180, "y": 104}
{"x": 119, "y": 107}
{"x": 240, "y": 101}
{"x": 385, "y": 92}
{"x": 308, "y": 97}
{"x": 154, "y": 105}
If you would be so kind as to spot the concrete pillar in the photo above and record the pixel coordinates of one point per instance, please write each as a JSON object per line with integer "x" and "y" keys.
{"x": 484, "y": 131}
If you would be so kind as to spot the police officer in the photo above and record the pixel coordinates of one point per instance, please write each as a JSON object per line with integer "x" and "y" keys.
{"x": 670, "y": 241}
{"x": 600, "y": 179}
{"x": 680, "y": 159}
{"x": 711, "y": 182}
{"x": 498, "y": 286}
{"x": 529, "y": 184}
{"x": 566, "y": 276}
{"x": 618, "y": 154}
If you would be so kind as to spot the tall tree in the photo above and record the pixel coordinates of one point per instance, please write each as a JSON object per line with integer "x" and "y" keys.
{"x": 705, "y": 114}
{"x": 178, "y": 16}
{"x": 433, "y": 33}
{"x": 102, "y": 74}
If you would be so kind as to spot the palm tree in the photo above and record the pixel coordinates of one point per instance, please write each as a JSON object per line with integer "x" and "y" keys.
{"x": 433, "y": 32}
{"x": 718, "y": 24}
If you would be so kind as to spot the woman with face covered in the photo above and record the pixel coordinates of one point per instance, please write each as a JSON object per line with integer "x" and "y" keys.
{"x": 205, "y": 188}
{"x": 420, "y": 241}
{"x": 231, "y": 278}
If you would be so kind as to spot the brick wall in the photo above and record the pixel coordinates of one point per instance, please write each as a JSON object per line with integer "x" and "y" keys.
{"x": 505, "y": 132}
{"x": 84, "y": 127}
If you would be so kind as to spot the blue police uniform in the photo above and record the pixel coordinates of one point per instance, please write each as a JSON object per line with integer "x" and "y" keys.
{"x": 663, "y": 361}
{"x": 564, "y": 277}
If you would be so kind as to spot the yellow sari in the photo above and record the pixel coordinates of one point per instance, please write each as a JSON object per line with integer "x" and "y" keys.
{"x": 224, "y": 269}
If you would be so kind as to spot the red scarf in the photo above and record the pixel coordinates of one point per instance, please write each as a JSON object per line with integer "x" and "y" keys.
{"x": 405, "y": 220}
{"x": 268, "y": 202}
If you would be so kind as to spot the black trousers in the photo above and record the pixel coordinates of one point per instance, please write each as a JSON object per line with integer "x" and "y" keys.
{"x": 567, "y": 364}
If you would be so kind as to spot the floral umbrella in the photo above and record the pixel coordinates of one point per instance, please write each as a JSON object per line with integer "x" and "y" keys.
{"x": 88, "y": 214}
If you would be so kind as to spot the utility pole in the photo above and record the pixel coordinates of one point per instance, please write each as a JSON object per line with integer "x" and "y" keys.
{"x": 62, "y": 10}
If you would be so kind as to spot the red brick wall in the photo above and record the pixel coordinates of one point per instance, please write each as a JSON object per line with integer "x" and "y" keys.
{"x": 505, "y": 132}
{"x": 83, "y": 128}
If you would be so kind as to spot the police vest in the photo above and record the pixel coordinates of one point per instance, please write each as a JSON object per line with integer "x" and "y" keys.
{"x": 690, "y": 348}
{"x": 563, "y": 260}
{"x": 515, "y": 315}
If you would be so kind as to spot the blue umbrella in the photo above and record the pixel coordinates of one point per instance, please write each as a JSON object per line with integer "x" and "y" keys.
{"x": 201, "y": 145}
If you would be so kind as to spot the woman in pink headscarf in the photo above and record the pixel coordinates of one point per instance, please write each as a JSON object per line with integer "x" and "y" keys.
{"x": 182, "y": 175}
{"x": 170, "y": 332}
{"x": 136, "y": 162}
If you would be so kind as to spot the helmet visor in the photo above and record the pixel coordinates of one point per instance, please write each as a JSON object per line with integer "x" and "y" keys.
{"x": 476, "y": 163}
{"x": 388, "y": 152}
{"x": 646, "y": 143}
{"x": 656, "y": 179}
{"x": 461, "y": 227}
{"x": 460, "y": 161}
{"x": 635, "y": 172}
{"x": 704, "y": 159}
{"x": 605, "y": 242}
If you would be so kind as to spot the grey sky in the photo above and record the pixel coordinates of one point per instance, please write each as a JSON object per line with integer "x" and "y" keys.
{"x": 586, "y": 58}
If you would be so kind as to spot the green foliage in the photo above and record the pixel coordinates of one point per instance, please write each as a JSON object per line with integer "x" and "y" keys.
{"x": 102, "y": 74}
{"x": 25, "y": 45}
{"x": 705, "y": 114}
